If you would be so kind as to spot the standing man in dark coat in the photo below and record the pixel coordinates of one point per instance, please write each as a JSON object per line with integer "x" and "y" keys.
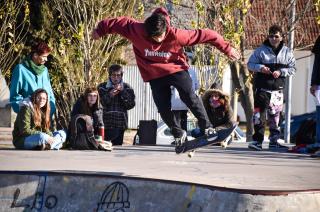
{"x": 117, "y": 97}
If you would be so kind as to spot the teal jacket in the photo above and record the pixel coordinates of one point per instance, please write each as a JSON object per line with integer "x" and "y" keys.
{"x": 24, "y": 82}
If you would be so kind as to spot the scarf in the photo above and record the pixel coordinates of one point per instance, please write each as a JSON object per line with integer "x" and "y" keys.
{"x": 37, "y": 69}
{"x": 110, "y": 84}
{"x": 214, "y": 103}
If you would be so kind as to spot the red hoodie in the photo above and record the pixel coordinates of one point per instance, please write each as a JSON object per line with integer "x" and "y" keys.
{"x": 154, "y": 59}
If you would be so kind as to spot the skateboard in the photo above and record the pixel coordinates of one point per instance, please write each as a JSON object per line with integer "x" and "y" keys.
{"x": 205, "y": 140}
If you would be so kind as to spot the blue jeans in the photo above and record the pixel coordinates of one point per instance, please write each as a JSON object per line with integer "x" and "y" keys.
{"x": 318, "y": 125}
{"x": 33, "y": 141}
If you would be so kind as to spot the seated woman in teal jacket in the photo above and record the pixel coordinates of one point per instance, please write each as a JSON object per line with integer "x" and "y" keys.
{"x": 32, "y": 126}
{"x": 30, "y": 75}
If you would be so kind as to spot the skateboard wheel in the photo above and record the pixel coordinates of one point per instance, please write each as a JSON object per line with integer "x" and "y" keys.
{"x": 224, "y": 145}
{"x": 191, "y": 154}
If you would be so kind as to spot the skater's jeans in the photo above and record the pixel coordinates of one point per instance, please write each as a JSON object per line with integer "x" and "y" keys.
{"x": 36, "y": 140}
{"x": 161, "y": 92}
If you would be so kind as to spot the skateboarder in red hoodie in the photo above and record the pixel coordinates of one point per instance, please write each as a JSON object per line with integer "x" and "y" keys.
{"x": 159, "y": 53}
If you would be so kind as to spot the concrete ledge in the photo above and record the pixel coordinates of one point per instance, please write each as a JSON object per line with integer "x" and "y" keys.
{"x": 6, "y": 117}
{"x": 62, "y": 191}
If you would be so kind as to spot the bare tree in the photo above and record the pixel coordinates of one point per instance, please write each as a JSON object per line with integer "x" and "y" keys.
{"x": 79, "y": 60}
{"x": 13, "y": 30}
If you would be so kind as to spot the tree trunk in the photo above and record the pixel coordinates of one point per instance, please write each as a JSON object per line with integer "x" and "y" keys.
{"x": 243, "y": 87}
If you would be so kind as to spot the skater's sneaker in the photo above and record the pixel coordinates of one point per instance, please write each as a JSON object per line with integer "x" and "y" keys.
{"x": 255, "y": 145}
{"x": 211, "y": 132}
{"x": 276, "y": 145}
{"x": 180, "y": 140}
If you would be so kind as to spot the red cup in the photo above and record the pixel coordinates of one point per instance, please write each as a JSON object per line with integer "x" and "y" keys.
{"x": 101, "y": 132}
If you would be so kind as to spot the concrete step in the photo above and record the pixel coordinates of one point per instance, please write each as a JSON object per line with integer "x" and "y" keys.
{"x": 5, "y": 134}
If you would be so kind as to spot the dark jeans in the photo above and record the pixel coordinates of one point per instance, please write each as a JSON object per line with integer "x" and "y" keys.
{"x": 114, "y": 135}
{"x": 161, "y": 93}
{"x": 181, "y": 117}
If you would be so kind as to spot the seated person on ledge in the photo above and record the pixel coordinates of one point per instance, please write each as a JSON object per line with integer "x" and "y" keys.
{"x": 89, "y": 104}
{"x": 32, "y": 126}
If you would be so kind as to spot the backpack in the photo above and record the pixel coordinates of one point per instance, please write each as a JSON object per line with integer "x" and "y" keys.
{"x": 82, "y": 133}
{"x": 306, "y": 132}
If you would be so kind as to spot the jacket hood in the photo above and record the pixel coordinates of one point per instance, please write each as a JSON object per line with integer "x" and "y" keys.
{"x": 26, "y": 102}
{"x": 208, "y": 93}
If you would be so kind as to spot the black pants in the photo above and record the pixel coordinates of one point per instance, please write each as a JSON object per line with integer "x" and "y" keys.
{"x": 181, "y": 117}
{"x": 161, "y": 93}
{"x": 114, "y": 135}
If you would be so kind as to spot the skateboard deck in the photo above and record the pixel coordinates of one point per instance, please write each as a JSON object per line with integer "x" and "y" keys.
{"x": 205, "y": 140}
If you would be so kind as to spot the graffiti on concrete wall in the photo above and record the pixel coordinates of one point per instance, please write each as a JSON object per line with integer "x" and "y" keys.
{"x": 114, "y": 198}
{"x": 38, "y": 201}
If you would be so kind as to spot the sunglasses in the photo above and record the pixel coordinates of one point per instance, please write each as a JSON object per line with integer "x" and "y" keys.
{"x": 274, "y": 36}
{"x": 116, "y": 75}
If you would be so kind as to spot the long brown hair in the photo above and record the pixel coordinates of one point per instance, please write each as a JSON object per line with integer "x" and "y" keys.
{"x": 45, "y": 110}
{"x": 85, "y": 105}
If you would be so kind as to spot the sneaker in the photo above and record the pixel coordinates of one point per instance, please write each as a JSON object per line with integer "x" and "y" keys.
{"x": 277, "y": 145}
{"x": 179, "y": 141}
{"x": 210, "y": 131}
{"x": 255, "y": 145}
{"x": 173, "y": 143}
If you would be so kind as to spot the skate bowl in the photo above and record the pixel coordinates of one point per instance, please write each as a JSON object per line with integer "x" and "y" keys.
{"x": 155, "y": 178}
{"x": 86, "y": 191}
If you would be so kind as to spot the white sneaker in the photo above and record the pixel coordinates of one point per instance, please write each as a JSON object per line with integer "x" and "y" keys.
{"x": 179, "y": 141}
{"x": 211, "y": 133}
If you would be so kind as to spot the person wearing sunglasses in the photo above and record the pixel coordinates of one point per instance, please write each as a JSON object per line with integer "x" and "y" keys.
{"x": 271, "y": 63}
{"x": 117, "y": 97}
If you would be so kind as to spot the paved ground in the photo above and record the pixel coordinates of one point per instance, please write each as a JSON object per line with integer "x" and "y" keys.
{"x": 235, "y": 167}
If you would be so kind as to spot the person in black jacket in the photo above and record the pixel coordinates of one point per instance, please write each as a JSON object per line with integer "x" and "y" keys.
{"x": 315, "y": 84}
{"x": 117, "y": 97}
{"x": 89, "y": 104}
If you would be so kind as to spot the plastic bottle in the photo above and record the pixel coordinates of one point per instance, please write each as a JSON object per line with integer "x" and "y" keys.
{"x": 256, "y": 116}
{"x": 137, "y": 139}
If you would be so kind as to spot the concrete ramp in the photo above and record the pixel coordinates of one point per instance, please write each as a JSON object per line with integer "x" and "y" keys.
{"x": 87, "y": 191}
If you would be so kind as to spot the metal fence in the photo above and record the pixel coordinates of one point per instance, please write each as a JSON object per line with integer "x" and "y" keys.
{"x": 145, "y": 108}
